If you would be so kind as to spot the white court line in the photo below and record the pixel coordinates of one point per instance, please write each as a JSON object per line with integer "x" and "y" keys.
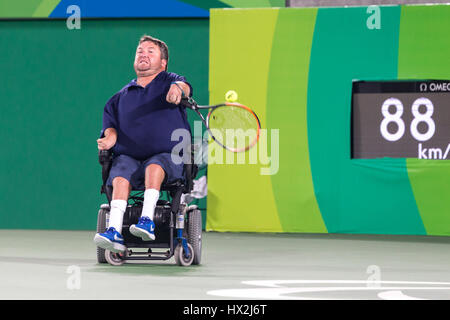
{"x": 274, "y": 289}
{"x": 396, "y": 295}
{"x": 276, "y": 283}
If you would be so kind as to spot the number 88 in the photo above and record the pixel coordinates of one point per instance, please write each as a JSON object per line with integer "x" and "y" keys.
{"x": 418, "y": 117}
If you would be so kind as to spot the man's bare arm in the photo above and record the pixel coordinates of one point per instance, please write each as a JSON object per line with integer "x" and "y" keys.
{"x": 174, "y": 95}
{"x": 186, "y": 89}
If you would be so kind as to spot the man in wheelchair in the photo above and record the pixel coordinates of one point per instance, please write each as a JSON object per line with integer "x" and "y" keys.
{"x": 138, "y": 122}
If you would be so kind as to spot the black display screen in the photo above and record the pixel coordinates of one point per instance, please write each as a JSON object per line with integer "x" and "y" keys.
{"x": 401, "y": 119}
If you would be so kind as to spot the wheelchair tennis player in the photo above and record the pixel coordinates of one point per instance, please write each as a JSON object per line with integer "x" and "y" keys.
{"x": 138, "y": 122}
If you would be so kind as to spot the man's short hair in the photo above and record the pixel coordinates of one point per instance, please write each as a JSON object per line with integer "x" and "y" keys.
{"x": 161, "y": 44}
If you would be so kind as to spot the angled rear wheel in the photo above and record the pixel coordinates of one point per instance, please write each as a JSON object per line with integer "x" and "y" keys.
{"x": 195, "y": 234}
{"x": 101, "y": 227}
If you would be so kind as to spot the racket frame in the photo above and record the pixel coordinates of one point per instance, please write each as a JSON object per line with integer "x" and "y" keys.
{"x": 190, "y": 103}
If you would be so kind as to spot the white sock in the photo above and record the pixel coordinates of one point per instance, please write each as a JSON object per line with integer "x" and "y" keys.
{"x": 116, "y": 213}
{"x": 151, "y": 197}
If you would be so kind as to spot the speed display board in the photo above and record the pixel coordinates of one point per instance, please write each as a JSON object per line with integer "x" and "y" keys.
{"x": 401, "y": 119}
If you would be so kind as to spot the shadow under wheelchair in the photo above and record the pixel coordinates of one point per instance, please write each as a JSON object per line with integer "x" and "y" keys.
{"x": 167, "y": 268}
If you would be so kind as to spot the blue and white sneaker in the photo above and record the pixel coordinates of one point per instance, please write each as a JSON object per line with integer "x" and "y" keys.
{"x": 145, "y": 229}
{"x": 110, "y": 240}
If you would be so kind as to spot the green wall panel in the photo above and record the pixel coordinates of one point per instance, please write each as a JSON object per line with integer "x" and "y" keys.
{"x": 357, "y": 196}
{"x": 240, "y": 47}
{"x": 305, "y": 92}
{"x": 287, "y": 89}
{"x": 424, "y": 51}
{"x": 54, "y": 85}
{"x": 293, "y": 66}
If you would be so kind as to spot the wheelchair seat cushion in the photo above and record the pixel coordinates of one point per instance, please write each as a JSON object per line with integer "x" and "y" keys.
{"x": 134, "y": 170}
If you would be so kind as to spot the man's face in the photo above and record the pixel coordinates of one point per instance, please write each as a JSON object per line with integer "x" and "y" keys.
{"x": 148, "y": 59}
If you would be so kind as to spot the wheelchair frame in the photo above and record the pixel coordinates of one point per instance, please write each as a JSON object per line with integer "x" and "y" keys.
{"x": 170, "y": 220}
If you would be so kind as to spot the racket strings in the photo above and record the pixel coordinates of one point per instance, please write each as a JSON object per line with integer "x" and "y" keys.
{"x": 235, "y": 127}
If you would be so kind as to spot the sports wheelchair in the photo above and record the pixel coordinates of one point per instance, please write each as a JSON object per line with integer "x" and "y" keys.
{"x": 178, "y": 227}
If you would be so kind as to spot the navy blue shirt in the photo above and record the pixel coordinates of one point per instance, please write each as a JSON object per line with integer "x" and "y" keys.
{"x": 143, "y": 119}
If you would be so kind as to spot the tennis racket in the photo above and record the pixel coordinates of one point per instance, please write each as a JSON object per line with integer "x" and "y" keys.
{"x": 232, "y": 125}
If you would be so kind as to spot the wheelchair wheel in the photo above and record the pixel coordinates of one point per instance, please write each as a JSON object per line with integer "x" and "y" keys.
{"x": 101, "y": 227}
{"x": 180, "y": 259}
{"x": 195, "y": 234}
{"x": 115, "y": 259}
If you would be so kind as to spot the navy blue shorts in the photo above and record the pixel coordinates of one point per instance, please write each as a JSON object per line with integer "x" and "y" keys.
{"x": 134, "y": 170}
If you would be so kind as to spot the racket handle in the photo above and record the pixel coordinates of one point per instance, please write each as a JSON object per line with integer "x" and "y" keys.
{"x": 188, "y": 103}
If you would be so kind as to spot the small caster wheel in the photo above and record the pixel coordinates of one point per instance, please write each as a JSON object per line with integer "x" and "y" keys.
{"x": 115, "y": 258}
{"x": 180, "y": 257}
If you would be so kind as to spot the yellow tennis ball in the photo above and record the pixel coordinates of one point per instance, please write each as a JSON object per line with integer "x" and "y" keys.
{"x": 231, "y": 96}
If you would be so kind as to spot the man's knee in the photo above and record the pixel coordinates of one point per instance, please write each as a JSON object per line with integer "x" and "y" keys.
{"x": 154, "y": 168}
{"x": 121, "y": 183}
{"x": 154, "y": 176}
